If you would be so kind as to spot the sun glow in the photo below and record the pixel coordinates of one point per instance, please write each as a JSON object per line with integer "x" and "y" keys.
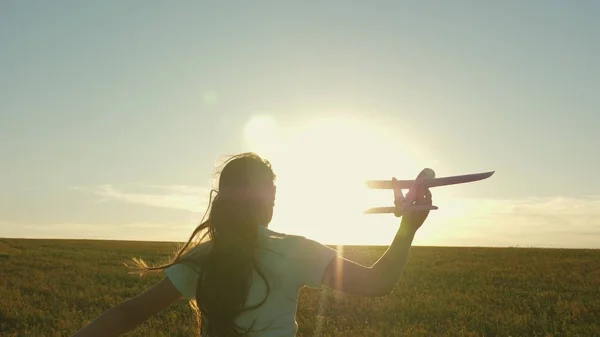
{"x": 321, "y": 167}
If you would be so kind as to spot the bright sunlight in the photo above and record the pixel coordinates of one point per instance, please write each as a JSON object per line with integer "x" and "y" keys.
{"x": 321, "y": 167}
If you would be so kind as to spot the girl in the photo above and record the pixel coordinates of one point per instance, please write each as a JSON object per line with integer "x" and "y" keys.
{"x": 245, "y": 279}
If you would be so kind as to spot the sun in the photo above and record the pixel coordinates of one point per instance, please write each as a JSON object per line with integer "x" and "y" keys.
{"x": 261, "y": 134}
{"x": 321, "y": 167}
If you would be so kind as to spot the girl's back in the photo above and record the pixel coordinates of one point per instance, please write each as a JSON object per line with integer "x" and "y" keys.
{"x": 288, "y": 263}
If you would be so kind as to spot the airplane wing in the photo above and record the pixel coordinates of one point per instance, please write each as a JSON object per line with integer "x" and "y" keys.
{"x": 380, "y": 210}
{"x": 384, "y": 210}
{"x": 388, "y": 184}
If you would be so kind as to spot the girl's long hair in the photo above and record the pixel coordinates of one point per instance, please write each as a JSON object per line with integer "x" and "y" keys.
{"x": 243, "y": 202}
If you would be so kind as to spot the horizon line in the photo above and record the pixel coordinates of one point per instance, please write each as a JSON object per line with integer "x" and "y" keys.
{"x": 326, "y": 244}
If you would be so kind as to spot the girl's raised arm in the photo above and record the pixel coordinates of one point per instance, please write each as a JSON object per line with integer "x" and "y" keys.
{"x": 379, "y": 279}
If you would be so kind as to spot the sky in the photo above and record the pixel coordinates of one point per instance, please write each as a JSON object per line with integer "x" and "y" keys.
{"x": 114, "y": 115}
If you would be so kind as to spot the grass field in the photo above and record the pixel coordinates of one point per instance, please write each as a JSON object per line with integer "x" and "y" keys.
{"x": 53, "y": 287}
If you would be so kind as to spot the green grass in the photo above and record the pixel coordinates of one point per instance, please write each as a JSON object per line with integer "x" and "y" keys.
{"x": 53, "y": 287}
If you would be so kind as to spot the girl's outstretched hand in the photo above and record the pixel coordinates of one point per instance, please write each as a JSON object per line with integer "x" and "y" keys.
{"x": 412, "y": 220}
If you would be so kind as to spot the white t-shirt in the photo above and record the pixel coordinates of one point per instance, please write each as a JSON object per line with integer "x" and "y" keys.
{"x": 288, "y": 262}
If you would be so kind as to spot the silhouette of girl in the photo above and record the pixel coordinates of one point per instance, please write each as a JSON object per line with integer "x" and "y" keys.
{"x": 245, "y": 279}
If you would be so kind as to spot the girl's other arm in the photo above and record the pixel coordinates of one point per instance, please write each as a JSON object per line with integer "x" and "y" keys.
{"x": 127, "y": 315}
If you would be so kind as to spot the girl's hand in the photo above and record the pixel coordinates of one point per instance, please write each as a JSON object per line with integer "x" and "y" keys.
{"x": 413, "y": 220}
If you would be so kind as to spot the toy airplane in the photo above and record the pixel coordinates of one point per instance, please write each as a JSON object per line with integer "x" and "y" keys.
{"x": 425, "y": 179}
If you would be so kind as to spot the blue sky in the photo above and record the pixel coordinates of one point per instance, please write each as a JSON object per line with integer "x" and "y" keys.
{"x": 113, "y": 114}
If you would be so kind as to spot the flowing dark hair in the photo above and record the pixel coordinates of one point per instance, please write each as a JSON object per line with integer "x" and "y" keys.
{"x": 243, "y": 202}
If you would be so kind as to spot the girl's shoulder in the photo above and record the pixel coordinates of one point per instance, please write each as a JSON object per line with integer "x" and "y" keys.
{"x": 295, "y": 245}
{"x": 282, "y": 241}
{"x": 302, "y": 259}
